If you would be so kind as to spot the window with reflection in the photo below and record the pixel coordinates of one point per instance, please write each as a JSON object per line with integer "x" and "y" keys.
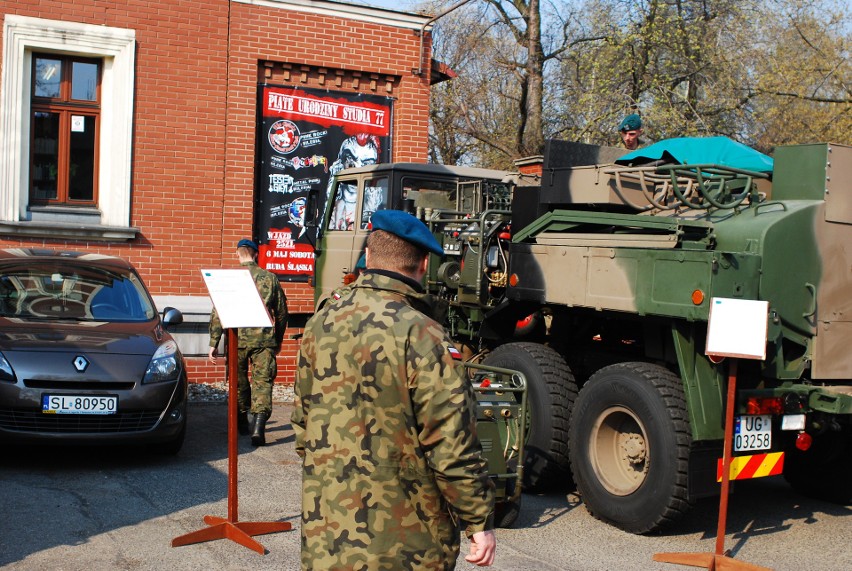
{"x": 375, "y": 198}
{"x": 73, "y": 291}
{"x": 64, "y": 130}
{"x": 343, "y": 206}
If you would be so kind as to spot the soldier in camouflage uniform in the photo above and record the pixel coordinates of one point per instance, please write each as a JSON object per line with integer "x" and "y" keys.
{"x": 385, "y": 424}
{"x": 255, "y": 345}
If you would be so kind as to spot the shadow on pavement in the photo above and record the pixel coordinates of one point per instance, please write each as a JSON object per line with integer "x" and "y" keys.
{"x": 64, "y": 496}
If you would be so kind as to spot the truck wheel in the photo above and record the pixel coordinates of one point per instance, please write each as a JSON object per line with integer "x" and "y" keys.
{"x": 551, "y": 391}
{"x": 629, "y": 441}
{"x": 824, "y": 471}
{"x": 507, "y": 511}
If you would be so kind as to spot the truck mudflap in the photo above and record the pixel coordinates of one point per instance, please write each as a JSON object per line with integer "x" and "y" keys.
{"x": 501, "y": 424}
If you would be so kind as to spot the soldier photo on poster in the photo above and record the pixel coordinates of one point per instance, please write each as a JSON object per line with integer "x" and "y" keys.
{"x": 305, "y": 137}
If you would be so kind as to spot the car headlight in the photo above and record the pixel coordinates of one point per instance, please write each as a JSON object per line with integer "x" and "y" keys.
{"x": 164, "y": 365}
{"x": 6, "y": 372}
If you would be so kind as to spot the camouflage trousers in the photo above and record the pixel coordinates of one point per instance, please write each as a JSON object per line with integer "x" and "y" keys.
{"x": 255, "y": 397}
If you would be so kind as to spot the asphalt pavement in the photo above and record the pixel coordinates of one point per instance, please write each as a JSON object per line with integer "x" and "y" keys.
{"x": 114, "y": 509}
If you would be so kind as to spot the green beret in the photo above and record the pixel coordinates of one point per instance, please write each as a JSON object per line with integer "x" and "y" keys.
{"x": 407, "y": 227}
{"x": 631, "y": 123}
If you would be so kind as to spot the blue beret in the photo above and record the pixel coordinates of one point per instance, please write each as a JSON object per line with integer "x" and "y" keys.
{"x": 631, "y": 123}
{"x": 407, "y": 227}
{"x": 247, "y": 243}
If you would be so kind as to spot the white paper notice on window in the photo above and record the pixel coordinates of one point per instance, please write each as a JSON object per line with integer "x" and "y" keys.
{"x": 236, "y": 298}
{"x": 78, "y": 124}
{"x": 737, "y": 328}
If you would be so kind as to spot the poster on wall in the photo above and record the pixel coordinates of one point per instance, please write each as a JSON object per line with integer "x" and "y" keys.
{"x": 304, "y": 137}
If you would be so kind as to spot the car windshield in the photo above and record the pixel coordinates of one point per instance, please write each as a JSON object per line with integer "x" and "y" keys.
{"x": 79, "y": 293}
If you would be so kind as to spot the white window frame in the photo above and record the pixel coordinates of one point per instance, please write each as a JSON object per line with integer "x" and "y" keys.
{"x": 22, "y": 36}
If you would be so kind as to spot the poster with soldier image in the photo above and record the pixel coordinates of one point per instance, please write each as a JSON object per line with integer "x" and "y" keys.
{"x": 304, "y": 137}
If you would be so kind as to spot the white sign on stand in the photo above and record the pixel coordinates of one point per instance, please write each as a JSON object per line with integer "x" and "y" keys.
{"x": 238, "y": 304}
{"x": 737, "y": 328}
{"x": 236, "y": 298}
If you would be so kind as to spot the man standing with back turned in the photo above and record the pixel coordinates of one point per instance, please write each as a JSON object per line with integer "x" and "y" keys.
{"x": 256, "y": 345}
{"x": 384, "y": 422}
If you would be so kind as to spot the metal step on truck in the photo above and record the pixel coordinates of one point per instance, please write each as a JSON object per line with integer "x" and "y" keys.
{"x": 594, "y": 280}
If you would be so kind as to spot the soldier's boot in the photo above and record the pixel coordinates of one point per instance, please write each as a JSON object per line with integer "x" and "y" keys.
{"x": 243, "y": 423}
{"x": 250, "y": 418}
{"x": 258, "y": 434}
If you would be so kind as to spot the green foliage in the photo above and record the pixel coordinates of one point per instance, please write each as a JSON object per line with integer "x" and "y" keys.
{"x": 763, "y": 72}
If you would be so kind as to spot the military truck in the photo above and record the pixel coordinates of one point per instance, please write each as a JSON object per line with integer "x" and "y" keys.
{"x": 595, "y": 280}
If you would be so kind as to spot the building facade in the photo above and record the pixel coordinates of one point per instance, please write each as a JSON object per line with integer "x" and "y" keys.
{"x": 138, "y": 130}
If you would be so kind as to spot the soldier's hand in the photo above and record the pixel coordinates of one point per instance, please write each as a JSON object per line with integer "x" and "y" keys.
{"x": 212, "y": 355}
{"x": 483, "y": 545}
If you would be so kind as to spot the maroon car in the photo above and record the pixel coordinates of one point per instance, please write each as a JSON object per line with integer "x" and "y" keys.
{"x": 84, "y": 356}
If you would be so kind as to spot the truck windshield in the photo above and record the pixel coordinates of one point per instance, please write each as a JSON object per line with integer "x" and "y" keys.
{"x": 375, "y": 197}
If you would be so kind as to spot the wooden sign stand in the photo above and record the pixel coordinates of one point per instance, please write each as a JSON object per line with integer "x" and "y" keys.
{"x": 718, "y": 561}
{"x": 738, "y": 330}
{"x": 231, "y": 528}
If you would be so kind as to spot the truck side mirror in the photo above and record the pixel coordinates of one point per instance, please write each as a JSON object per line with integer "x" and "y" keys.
{"x": 311, "y": 221}
{"x": 311, "y": 214}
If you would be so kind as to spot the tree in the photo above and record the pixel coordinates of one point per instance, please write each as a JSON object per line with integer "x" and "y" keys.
{"x": 468, "y": 113}
{"x": 763, "y": 73}
{"x": 508, "y": 119}
{"x": 802, "y": 88}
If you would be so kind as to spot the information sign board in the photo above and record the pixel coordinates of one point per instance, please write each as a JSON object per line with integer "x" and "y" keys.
{"x": 236, "y": 298}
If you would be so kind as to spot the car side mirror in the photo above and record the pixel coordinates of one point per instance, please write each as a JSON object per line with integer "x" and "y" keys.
{"x": 172, "y": 316}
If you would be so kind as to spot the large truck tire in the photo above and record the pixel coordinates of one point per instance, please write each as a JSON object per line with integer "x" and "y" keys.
{"x": 629, "y": 446}
{"x": 824, "y": 471}
{"x": 551, "y": 391}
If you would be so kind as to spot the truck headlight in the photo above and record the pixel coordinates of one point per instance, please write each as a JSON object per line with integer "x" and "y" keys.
{"x": 164, "y": 365}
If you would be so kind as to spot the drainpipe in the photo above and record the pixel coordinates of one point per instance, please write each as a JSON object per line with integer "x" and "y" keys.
{"x": 419, "y": 71}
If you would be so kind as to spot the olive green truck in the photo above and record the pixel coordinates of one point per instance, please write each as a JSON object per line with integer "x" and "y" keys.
{"x": 595, "y": 279}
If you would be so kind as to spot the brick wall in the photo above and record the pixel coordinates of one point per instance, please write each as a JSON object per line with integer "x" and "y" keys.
{"x": 198, "y": 64}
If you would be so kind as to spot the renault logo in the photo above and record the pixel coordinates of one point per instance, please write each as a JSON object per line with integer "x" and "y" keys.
{"x": 80, "y": 363}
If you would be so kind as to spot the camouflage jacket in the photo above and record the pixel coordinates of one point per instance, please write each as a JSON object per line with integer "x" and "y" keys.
{"x": 385, "y": 424}
{"x": 276, "y": 304}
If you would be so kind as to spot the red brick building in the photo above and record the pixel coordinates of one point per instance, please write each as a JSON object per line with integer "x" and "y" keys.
{"x": 169, "y": 117}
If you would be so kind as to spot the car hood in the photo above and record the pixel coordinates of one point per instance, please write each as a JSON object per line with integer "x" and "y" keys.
{"x": 91, "y": 337}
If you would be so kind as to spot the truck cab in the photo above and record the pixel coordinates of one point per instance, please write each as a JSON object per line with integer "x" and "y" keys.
{"x": 420, "y": 189}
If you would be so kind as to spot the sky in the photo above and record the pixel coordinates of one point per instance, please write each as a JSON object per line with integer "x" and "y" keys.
{"x": 398, "y": 5}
